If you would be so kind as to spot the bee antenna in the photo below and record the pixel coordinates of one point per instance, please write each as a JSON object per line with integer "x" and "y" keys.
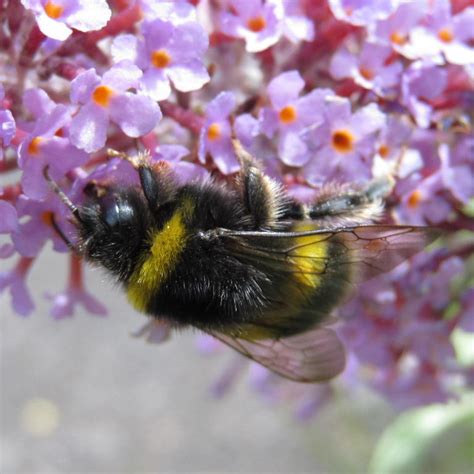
{"x": 61, "y": 234}
{"x": 62, "y": 195}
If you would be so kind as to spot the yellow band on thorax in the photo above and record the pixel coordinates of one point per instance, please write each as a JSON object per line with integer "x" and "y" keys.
{"x": 166, "y": 247}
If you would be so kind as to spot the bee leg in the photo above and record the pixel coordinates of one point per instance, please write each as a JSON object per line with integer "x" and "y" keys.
{"x": 263, "y": 197}
{"x": 155, "y": 178}
{"x": 346, "y": 206}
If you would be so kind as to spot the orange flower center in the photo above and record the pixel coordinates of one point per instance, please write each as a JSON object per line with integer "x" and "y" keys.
{"x": 47, "y": 218}
{"x": 34, "y": 146}
{"x": 343, "y": 141}
{"x": 288, "y": 114}
{"x": 53, "y": 10}
{"x": 398, "y": 38}
{"x": 366, "y": 73}
{"x": 256, "y": 24}
{"x": 101, "y": 95}
{"x": 384, "y": 150}
{"x": 214, "y": 131}
{"x": 445, "y": 35}
{"x": 160, "y": 58}
{"x": 415, "y": 198}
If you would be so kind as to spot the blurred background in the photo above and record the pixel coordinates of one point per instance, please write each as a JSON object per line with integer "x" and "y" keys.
{"x": 82, "y": 395}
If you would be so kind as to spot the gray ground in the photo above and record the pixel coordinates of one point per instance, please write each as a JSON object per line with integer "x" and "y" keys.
{"x": 112, "y": 403}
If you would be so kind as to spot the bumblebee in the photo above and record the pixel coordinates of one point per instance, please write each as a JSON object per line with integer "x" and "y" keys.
{"x": 245, "y": 263}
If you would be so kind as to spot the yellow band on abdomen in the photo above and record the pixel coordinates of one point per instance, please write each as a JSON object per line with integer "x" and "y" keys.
{"x": 309, "y": 257}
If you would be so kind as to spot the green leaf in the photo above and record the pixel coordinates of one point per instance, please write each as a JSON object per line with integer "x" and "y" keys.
{"x": 435, "y": 439}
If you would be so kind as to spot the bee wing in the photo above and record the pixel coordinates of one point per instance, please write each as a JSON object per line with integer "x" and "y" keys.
{"x": 366, "y": 251}
{"x": 350, "y": 255}
{"x": 378, "y": 249}
{"x": 313, "y": 356}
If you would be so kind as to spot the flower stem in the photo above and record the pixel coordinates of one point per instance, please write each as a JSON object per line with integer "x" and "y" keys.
{"x": 186, "y": 118}
{"x": 24, "y": 265}
{"x": 75, "y": 272}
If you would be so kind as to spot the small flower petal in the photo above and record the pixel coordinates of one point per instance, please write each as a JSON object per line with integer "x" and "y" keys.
{"x": 155, "y": 84}
{"x": 52, "y": 28}
{"x": 124, "y": 47}
{"x": 8, "y": 217}
{"x": 135, "y": 114}
{"x": 83, "y": 86}
{"x": 189, "y": 76}
{"x": 221, "y": 106}
{"x": 89, "y": 128}
{"x": 285, "y": 88}
{"x": 92, "y": 15}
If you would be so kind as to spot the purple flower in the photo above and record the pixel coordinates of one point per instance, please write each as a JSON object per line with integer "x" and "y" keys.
{"x": 423, "y": 199}
{"x": 177, "y": 11}
{"x": 369, "y": 69}
{"x": 155, "y": 331}
{"x": 47, "y": 145}
{"x": 362, "y": 12}
{"x": 261, "y": 24}
{"x": 466, "y": 314}
{"x": 184, "y": 171}
{"x": 295, "y": 26}
{"x": 208, "y": 345}
{"x": 292, "y": 116}
{"x": 427, "y": 339}
{"x": 445, "y": 35}
{"x": 7, "y": 124}
{"x": 7, "y": 129}
{"x": 248, "y": 130}
{"x": 439, "y": 283}
{"x": 14, "y": 279}
{"x": 382, "y": 350}
{"x": 400, "y": 329}
{"x": 222, "y": 385}
{"x": 346, "y": 142}
{"x": 167, "y": 52}
{"x": 256, "y": 22}
{"x": 121, "y": 171}
{"x": 31, "y": 236}
{"x": 421, "y": 82}
{"x": 421, "y": 386}
{"x": 215, "y": 136}
{"x": 407, "y": 125}
{"x": 306, "y": 399}
{"x": 8, "y": 218}
{"x": 55, "y": 18}
{"x": 6, "y": 250}
{"x": 312, "y": 401}
{"x": 107, "y": 99}
{"x": 301, "y": 192}
{"x": 395, "y": 30}
{"x": 64, "y": 303}
{"x": 394, "y": 155}
{"x": 458, "y": 178}
{"x": 419, "y": 202}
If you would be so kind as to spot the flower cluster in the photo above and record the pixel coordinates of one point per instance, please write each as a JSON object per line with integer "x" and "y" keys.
{"x": 330, "y": 91}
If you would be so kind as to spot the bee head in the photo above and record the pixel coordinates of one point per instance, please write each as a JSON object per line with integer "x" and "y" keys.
{"x": 112, "y": 230}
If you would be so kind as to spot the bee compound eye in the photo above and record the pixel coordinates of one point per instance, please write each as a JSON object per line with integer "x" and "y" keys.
{"x": 118, "y": 213}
